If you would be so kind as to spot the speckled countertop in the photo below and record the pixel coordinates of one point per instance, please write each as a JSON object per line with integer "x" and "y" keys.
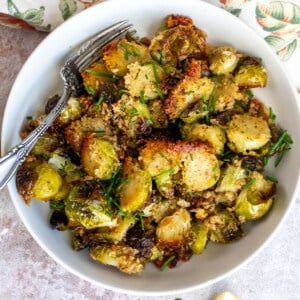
{"x": 27, "y": 272}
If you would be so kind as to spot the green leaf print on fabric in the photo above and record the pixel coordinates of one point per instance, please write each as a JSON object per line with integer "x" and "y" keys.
{"x": 282, "y": 20}
{"x": 234, "y": 6}
{"x": 33, "y": 16}
{"x": 282, "y": 48}
{"x": 67, "y": 8}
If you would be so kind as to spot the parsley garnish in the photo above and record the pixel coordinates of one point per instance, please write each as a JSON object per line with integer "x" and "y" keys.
{"x": 249, "y": 183}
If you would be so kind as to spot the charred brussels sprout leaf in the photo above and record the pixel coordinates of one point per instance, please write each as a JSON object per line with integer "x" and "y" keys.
{"x": 223, "y": 227}
{"x": 88, "y": 208}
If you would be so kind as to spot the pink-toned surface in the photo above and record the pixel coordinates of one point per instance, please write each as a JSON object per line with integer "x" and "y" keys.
{"x": 27, "y": 272}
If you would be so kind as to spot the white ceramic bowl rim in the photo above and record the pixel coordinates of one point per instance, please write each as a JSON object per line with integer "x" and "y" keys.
{"x": 146, "y": 16}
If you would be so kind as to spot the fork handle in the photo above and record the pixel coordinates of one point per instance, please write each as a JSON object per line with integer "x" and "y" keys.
{"x": 10, "y": 162}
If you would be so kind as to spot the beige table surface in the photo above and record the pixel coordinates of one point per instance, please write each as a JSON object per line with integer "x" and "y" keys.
{"x": 27, "y": 272}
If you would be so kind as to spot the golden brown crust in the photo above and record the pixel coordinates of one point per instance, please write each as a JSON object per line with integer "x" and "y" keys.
{"x": 175, "y": 20}
{"x": 188, "y": 90}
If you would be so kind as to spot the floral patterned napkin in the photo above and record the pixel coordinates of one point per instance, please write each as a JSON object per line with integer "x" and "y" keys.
{"x": 277, "y": 21}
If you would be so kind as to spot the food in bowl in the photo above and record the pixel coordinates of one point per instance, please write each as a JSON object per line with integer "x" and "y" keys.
{"x": 163, "y": 152}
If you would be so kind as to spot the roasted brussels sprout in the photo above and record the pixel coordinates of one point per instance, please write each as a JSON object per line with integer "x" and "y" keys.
{"x": 118, "y": 233}
{"x": 200, "y": 169}
{"x": 158, "y": 117}
{"x": 45, "y": 145}
{"x": 195, "y": 112}
{"x": 223, "y": 227}
{"x": 99, "y": 158}
{"x": 255, "y": 200}
{"x": 165, "y": 184}
{"x": 89, "y": 208}
{"x": 223, "y": 59}
{"x": 175, "y": 44}
{"x": 251, "y": 76}
{"x": 48, "y": 182}
{"x": 246, "y": 132}
{"x": 199, "y": 237}
{"x": 174, "y": 229}
{"x": 72, "y": 111}
{"x": 135, "y": 191}
{"x": 121, "y": 53}
{"x": 122, "y": 257}
{"x": 233, "y": 177}
{"x": 206, "y": 133}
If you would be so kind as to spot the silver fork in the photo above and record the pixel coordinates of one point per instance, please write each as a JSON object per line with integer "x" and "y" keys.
{"x": 70, "y": 73}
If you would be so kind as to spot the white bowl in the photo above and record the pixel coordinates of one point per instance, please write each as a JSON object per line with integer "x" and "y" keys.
{"x": 39, "y": 79}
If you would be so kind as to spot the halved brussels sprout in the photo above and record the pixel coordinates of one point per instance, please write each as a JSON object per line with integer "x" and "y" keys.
{"x": 89, "y": 209}
{"x": 99, "y": 158}
{"x": 246, "y": 132}
{"x": 48, "y": 182}
{"x": 45, "y": 145}
{"x": 121, "y": 53}
{"x": 199, "y": 235}
{"x": 122, "y": 257}
{"x": 223, "y": 227}
{"x": 118, "y": 233}
{"x": 251, "y": 76}
{"x": 233, "y": 177}
{"x": 255, "y": 200}
{"x": 72, "y": 111}
{"x": 176, "y": 44}
{"x": 136, "y": 191}
{"x": 223, "y": 60}
{"x": 206, "y": 133}
{"x": 165, "y": 184}
{"x": 174, "y": 229}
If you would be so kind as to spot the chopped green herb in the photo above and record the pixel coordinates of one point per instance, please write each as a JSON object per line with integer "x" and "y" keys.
{"x": 122, "y": 105}
{"x": 97, "y": 105}
{"x": 57, "y": 205}
{"x": 249, "y": 183}
{"x": 249, "y": 94}
{"x": 100, "y": 74}
{"x": 80, "y": 173}
{"x": 150, "y": 122}
{"x": 121, "y": 92}
{"x": 95, "y": 131}
{"x": 129, "y": 50}
{"x": 29, "y": 118}
{"x": 142, "y": 97}
{"x": 167, "y": 262}
{"x": 146, "y": 76}
{"x": 90, "y": 89}
{"x": 191, "y": 156}
{"x": 45, "y": 156}
{"x": 271, "y": 114}
{"x": 156, "y": 82}
{"x": 215, "y": 169}
{"x": 170, "y": 171}
{"x": 163, "y": 156}
{"x": 132, "y": 112}
{"x": 273, "y": 179}
{"x": 123, "y": 182}
{"x": 139, "y": 218}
